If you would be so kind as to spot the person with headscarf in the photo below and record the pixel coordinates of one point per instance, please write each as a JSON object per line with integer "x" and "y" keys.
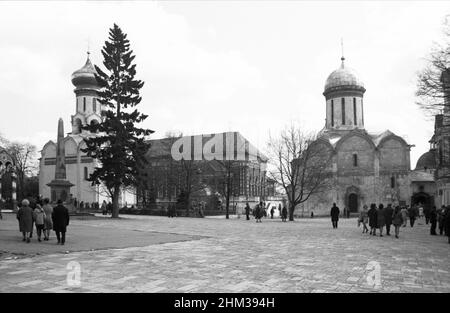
{"x": 39, "y": 220}
{"x": 25, "y": 217}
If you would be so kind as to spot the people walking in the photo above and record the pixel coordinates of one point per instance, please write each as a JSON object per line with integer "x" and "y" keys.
{"x": 441, "y": 215}
{"x": 427, "y": 214}
{"x": 447, "y": 223}
{"x": 412, "y": 215}
{"x": 39, "y": 220}
{"x": 104, "y": 208}
{"x": 284, "y": 213}
{"x": 247, "y": 211}
{"x": 381, "y": 221}
{"x": 60, "y": 219}
{"x": 388, "y": 213}
{"x": 404, "y": 211}
{"x": 364, "y": 218}
{"x": 259, "y": 212}
{"x": 372, "y": 213}
{"x": 25, "y": 217}
{"x": 432, "y": 215}
{"x": 397, "y": 220}
{"x": 48, "y": 224}
{"x": 334, "y": 213}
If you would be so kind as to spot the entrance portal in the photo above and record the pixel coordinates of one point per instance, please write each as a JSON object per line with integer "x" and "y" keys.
{"x": 353, "y": 202}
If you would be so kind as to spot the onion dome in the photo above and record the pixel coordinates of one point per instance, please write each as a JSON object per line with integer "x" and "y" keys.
{"x": 85, "y": 76}
{"x": 427, "y": 161}
{"x": 344, "y": 78}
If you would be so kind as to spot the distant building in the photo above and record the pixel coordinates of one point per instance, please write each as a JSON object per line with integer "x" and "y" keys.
{"x": 366, "y": 167}
{"x": 441, "y": 144}
{"x": 167, "y": 179}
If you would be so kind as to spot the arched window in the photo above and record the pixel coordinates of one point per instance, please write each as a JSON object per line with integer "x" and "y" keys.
{"x": 355, "y": 159}
{"x": 343, "y": 110}
{"x": 77, "y": 126}
{"x": 354, "y": 111}
{"x": 94, "y": 104}
{"x": 86, "y": 173}
{"x": 84, "y": 104}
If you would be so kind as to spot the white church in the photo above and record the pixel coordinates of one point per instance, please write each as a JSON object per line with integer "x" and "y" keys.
{"x": 78, "y": 165}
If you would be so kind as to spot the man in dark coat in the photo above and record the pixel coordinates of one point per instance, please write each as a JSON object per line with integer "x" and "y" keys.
{"x": 60, "y": 217}
{"x": 412, "y": 215}
{"x": 247, "y": 211}
{"x": 388, "y": 213}
{"x": 334, "y": 215}
{"x": 447, "y": 223}
{"x": 433, "y": 220}
{"x": 373, "y": 219}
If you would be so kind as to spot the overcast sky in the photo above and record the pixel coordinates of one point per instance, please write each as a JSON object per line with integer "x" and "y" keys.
{"x": 252, "y": 67}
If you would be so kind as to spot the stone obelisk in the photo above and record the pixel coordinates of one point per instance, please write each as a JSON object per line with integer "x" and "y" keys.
{"x": 60, "y": 186}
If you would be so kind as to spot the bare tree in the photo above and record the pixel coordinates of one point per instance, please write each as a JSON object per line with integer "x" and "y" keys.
{"x": 24, "y": 156}
{"x": 430, "y": 91}
{"x": 300, "y": 165}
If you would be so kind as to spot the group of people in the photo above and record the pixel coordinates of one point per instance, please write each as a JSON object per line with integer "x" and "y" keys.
{"x": 45, "y": 218}
{"x": 380, "y": 217}
{"x": 106, "y": 207}
{"x": 260, "y": 211}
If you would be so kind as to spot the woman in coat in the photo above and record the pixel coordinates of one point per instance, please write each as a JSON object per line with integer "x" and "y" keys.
{"x": 404, "y": 215}
{"x": 48, "y": 223}
{"x": 372, "y": 213}
{"x": 364, "y": 218}
{"x": 39, "y": 220}
{"x": 381, "y": 219}
{"x": 25, "y": 217}
{"x": 397, "y": 220}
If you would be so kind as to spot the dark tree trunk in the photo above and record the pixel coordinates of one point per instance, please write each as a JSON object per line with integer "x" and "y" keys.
{"x": 291, "y": 212}
{"x": 115, "y": 203}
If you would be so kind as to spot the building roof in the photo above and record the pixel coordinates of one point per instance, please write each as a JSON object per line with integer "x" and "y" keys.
{"x": 85, "y": 76}
{"x": 421, "y": 176}
{"x": 427, "y": 160}
{"x": 334, "y": 137}
{"x": 241, "y": 146}
{"x": 344, "y": 76}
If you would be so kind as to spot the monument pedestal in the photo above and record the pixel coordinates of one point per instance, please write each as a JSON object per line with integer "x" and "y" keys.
{"x": 59, "y": 190}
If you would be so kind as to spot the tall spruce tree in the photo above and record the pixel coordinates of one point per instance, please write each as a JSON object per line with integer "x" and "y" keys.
{"x": 118, "y": 145}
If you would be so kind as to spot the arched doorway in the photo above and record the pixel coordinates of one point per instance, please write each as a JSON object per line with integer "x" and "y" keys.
{"x": 422, "y": 198}
{"x": 353, "y": 202}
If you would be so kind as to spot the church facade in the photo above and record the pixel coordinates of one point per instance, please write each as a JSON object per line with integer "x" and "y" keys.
{"x": 78, "y": 164}
{"x": 365, "y": 167}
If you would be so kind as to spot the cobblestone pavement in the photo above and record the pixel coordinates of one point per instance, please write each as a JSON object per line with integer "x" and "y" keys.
{"x": 242, "y": 256}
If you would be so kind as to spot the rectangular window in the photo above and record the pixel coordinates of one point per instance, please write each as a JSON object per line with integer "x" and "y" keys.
{"x": 94, "y": 104}
{"x": 362, "y": 111}
{"x": 354, "y": 111}
{"x": 440, "y": 152}
{"x": 332, "y": 113}
{"x": 355, "y": 160}
{"x": 343, "y": 111}
{"x": 84, "y": 104}
{"x": 392, "y": 182}
{"x": 86, "y": 173}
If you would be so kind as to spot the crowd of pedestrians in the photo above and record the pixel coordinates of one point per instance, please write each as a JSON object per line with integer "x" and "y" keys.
{"x": 45, "y": 218}
{"x": 381, "y": 219}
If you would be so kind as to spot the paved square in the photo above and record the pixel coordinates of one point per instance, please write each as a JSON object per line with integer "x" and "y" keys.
{"x": 218, "y": 255}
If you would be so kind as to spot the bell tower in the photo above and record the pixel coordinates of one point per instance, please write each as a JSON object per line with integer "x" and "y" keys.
{"x": 88, "y": 109}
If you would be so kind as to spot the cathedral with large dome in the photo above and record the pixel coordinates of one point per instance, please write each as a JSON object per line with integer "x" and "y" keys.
{"x": 365, "y": 167}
